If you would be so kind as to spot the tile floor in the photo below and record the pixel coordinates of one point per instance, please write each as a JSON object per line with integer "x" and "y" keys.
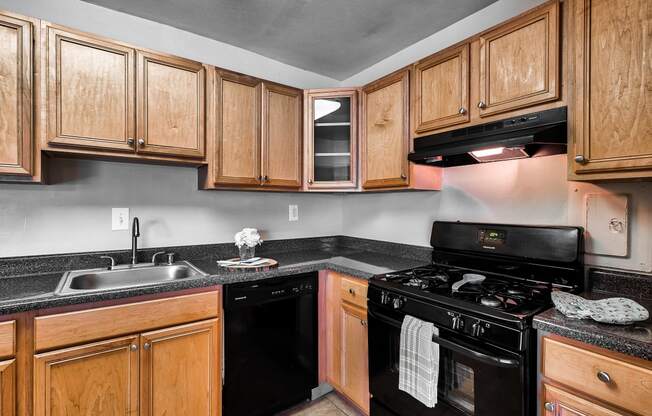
{"x": 329, "y": 405}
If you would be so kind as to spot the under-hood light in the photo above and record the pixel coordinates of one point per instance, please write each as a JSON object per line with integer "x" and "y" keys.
{"x": 496, "y": 154}
{"x": 488, "y": 152}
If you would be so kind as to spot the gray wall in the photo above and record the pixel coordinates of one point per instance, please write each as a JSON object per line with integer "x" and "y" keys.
{"x": 74, "y": 213}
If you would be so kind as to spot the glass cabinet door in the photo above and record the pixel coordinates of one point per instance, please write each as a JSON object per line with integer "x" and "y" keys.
{"x": 332, "y": 140}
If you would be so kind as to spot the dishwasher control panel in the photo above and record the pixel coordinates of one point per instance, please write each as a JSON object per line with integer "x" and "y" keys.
{"x": 266, "y": 290}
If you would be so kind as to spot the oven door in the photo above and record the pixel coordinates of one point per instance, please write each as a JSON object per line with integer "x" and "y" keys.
{"x": 474, "y": 380}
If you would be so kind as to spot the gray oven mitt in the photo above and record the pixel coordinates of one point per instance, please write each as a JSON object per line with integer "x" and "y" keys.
{"x": 620, "y": 311}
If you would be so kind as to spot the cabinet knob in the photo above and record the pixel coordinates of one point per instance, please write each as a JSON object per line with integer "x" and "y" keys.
{"x": 580, "y": 159}
{"x": 462, "y": 110}
{"x": 351, "y": 291}
{"x": 265, "y": 178}
{"x": 363, "y": 322}
{"x": 550, "y": 407}
{"x": 481, "y": 104}
{"x": 403, "y": 176}
{"x": 310, "y": 181}
{"x": 604, "y": 377}
{"x": 141, "y": 142}
{"x": 134, "y": 347}
{"x": 130, "y": 141}
{"x": 146, "y": 346}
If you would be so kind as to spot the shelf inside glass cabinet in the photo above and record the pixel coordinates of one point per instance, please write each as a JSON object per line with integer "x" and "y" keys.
{"x": 332, "y": 139}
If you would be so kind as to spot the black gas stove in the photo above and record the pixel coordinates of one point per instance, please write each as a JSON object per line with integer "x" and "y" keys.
{"x": 484, "y": 285}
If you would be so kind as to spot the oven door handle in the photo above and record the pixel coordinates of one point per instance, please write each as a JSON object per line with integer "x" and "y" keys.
{"x": 459, "y": 348}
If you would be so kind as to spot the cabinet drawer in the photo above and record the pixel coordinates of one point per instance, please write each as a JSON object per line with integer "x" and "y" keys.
{"x": 7, "y": 339}
{"x": 88, "y": 325}
{"x": 354, "y": 291}
{"x": 628, "y": 386}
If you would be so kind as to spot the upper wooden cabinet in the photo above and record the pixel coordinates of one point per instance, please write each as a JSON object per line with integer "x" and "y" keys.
{"x": 171, "y": 105}
{"x": 180, "y": 370}
{"x": 519, "y": 62}
{"x": 282, "y": 138}
{"x": 237, "y": 105}
{"x": 384, "y": 141}
{"x": 16, "y": 89}
{"x": 94, "y": 379}
{"x": 612, "y": 112}
{"x": 90, "y": 92}
{"x": 441, "y": 89}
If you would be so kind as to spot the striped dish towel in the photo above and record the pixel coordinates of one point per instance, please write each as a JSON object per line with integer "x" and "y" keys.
{"x": 419, "y": 360}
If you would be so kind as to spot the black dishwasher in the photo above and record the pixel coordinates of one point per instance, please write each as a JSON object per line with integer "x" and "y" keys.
{"x": 270, "y": 344}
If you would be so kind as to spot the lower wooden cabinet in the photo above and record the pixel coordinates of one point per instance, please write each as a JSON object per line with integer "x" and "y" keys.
{"x": 558, "y": 402}
{"x": 8, "y": 387}
{"x": 93, "y": 379}
{"x": 180, "y": 371}
{"x": 345, "y": 355}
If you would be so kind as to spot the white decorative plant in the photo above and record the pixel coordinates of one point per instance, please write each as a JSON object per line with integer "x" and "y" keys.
{"x": 248, "y": 237}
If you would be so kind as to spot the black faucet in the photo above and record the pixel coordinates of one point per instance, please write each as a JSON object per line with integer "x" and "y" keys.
{"x": 135, "y": 233}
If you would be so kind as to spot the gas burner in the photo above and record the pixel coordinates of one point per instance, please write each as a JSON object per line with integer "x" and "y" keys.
{"x": 490, "y": 301}
{"x": 416, "y": 282}
{"x": 514, "y": 290}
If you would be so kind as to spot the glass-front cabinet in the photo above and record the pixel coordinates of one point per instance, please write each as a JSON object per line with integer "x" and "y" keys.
{"x": 332, "y": 138}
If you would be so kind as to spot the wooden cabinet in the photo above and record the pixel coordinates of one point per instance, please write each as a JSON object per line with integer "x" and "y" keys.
{"x": 519, "y": 62}
{"x": 92, "y": 93}
{"x": 170, "y": 106}
{"x": 331, "y": 138}
{"x": 558, "y": 402}
{"x": 612, "y": 112}
{"x": 16, "y": 92}
{"x": 345, "y": 346}
{"x": 237, "y": 131}
{"x": 441, "y": 89}
{"x": 616, "y": 380}
{"x": 354, "y": 382}
{"x": 180, "y": 370}
{"x": 94, "y": 379}
{"x": 282, "y": 138}
{"x": 384, "y": 143}
{"x": 8, "y": 387}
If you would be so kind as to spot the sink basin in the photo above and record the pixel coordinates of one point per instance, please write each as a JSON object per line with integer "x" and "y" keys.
{"x": 126, "y": 276}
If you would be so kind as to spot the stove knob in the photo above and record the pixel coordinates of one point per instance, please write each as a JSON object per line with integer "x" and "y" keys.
{"x": 477, "y": 329}
{"x": 457, "y": 322}
{"x": 397, "y": 303}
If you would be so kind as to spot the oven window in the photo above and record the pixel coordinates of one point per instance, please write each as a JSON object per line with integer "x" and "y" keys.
{"x": 457, "y": 385}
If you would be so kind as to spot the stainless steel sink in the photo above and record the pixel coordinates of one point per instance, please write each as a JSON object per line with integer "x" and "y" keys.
{"x": 125, "y": 276}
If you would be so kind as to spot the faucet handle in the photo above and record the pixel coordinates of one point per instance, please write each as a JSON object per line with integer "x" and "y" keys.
{"x": 112, "y": 261}
{"x": 158, "y": 253}
{"x": 171, "y": 258}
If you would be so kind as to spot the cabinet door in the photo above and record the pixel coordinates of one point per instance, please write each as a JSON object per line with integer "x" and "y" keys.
{"x": 171, "y": 106}
{"x": 281, "y": 136}
{"x": 613, "y": 87}
{"x": 385, "y": 132}
{"x": 181, "y": 371}
{"x": 16, "y": 66}
{"x": 519, "y": 62}
{"x": 8, "y": 388}
{"x": 90, "y": 92}
{"x": 238, "y": 109}
{"x": 354, "y": 355}
{"x": 558, "y": 402}
{"x": 441, "y": 90}
{"x": 94, "y": 379}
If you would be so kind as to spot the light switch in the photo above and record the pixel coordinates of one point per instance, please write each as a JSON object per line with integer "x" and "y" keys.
{"x": 119, "y": 219}
{"x": 607, "y": 224}
{"x": 293, "y": 213}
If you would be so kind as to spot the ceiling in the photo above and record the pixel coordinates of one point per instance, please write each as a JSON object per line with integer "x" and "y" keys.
{"x": 336, "y": 38}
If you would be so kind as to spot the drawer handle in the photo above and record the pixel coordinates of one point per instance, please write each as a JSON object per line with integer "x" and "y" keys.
{"x": 550, "y": 407}
{"x": 351, "y": 291}
{"x": 604, "y": 377}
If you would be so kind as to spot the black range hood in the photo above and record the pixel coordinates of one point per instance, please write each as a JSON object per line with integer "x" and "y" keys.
{"x": 531, "y": 135}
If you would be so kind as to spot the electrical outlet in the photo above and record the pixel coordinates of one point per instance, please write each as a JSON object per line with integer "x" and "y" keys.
{"x": 119, "y": 219}
{"x": 293, "y": 211}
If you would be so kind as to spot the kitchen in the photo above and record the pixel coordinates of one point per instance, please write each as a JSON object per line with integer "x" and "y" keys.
{"x": 348, "y": 169}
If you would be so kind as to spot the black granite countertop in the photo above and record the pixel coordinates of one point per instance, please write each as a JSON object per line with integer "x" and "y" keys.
{"x": 362, "y": 259}
{"x": 634, "y": 339}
